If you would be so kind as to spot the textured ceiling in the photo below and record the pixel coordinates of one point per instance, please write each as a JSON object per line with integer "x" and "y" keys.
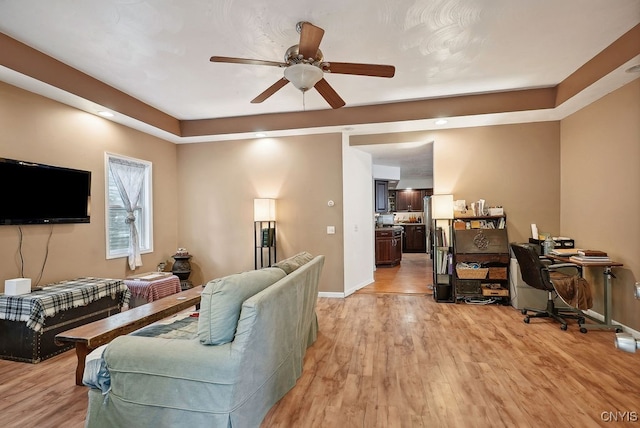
{"x": 158, "y": 50}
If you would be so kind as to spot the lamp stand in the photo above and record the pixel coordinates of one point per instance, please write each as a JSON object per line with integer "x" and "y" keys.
{"x": 264, "y": 237}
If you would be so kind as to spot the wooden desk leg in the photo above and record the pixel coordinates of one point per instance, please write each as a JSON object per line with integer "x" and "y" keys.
{"x": 82, "y": 350}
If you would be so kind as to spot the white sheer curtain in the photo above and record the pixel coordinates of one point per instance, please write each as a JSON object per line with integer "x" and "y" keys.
{"x": 129, "y": 178}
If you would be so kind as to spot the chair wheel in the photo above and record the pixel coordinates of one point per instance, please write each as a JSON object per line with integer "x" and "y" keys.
{"x": 583, "y": 330}
{"x": 563, "y": 327}
{"x": 618, "y": 330}
{"x": 526, "y": 320}
{"x": 581, "y": 320}
{"x": 523, "y": 311}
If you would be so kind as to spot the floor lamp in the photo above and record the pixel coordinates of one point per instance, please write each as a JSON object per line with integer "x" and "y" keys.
{"x": 264, "y": 223}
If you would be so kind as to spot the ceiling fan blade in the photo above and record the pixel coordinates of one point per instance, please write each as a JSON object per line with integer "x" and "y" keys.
{"x": 246, "y": 61}
{"x": 376, "y": 70}
{"x": 329, "y": 94}
{"x": 310, "y": 38}
{"x": 270, "y": 91}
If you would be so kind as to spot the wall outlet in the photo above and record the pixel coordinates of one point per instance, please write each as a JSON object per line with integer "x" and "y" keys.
{"x": 331, "y": 230}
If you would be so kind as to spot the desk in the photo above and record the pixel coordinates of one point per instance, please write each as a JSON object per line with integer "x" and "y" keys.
{"x": 146, "y": 291}
{"x": 607, "y": 325}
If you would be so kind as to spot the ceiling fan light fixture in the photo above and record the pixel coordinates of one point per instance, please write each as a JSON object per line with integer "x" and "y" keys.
{"x": 303, "y": 76}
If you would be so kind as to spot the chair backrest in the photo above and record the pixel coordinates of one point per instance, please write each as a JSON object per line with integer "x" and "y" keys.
{"x": 532, "y": 270}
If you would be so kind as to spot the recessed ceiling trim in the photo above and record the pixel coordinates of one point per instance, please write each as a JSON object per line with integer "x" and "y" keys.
{"x": 616, "y": 54}
{"x": 28, "y": 61}
{"x": 465, "y": 105}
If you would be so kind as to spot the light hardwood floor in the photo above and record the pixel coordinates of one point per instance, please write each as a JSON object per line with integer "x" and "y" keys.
{"x": 393, "y": 359}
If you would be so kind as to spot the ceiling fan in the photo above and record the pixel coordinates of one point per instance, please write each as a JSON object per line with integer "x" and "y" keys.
{"x": 304, "y": 66}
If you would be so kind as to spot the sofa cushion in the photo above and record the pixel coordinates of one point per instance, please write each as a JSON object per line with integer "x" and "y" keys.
{"x": 292, "y": 263}
{"x": 222, "y": 300}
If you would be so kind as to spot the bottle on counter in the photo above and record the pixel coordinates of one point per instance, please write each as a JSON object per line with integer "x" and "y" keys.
{"x": 548, "y": 245}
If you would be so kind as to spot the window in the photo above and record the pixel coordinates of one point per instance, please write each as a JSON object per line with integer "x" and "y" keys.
{"x": 128, "y": 186}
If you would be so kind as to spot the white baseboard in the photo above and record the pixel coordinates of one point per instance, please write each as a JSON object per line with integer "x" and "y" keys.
{"x": 594, "y": 314}
{"x": 331, "y": 295}
{"x": 357, "y": 287}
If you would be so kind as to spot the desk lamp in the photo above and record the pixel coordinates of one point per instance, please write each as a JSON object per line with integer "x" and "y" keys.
{"x": 626, "y": 341}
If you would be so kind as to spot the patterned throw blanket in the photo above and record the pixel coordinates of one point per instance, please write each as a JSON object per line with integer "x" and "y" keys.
{"x": 185, "y": 328}
{"x": 34, "y": 307}
{"x": 574, "y": 290}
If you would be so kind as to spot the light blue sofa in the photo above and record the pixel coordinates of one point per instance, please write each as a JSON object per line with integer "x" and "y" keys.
{"x": 252, "y": 335}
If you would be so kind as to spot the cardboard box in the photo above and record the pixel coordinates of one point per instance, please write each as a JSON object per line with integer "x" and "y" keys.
{"x": 496, "y": 211}
{"x": 17, "y": 286}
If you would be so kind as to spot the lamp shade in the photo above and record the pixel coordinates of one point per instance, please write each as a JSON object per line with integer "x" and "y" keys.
{"x": 442, "y": 206}
{"x": 264, "y": 210}
{"x": 303, "y": 76}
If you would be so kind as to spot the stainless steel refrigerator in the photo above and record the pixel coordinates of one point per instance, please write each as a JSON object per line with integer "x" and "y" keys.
{"x": 428, "y": 221}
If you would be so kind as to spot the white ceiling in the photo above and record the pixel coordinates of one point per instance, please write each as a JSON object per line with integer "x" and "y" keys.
{"x": 158, "y": 50}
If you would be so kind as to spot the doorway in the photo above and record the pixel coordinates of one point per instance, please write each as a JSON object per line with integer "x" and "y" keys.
{"x": 414, "y": 275}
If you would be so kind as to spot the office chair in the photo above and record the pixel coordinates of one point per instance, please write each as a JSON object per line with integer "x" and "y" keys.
{"x": 535, "y": 273}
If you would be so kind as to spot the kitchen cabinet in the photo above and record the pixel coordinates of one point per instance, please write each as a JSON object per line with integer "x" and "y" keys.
{"x": 388, "y": 246}
{"x": 382, "y": 196}
{"x": 411, "y": 199}
{"x": 415, "y": 238}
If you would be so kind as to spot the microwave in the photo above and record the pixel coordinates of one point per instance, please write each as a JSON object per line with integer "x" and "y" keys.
{"x": 385, "y": 219}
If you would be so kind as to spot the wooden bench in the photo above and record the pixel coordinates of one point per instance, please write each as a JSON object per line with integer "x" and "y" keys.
{"x": 90, "y": 336}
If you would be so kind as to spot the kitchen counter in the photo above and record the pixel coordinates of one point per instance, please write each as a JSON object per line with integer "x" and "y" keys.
{"x": 395, "y": 227}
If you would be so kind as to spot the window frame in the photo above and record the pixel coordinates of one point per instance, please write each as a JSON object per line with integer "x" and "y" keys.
{"x": 145, "y": 233}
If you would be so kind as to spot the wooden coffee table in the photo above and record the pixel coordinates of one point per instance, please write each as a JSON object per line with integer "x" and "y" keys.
{"x": 90, "y": 336}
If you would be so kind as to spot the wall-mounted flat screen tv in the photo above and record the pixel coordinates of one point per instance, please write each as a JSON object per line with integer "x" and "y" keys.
{"x": 35, "y": 193}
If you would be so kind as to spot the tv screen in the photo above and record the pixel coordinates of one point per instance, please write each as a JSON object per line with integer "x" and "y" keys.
{"x": 40, "y": 194}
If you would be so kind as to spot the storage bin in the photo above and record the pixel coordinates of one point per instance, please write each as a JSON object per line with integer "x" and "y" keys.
{"x": 497, "y": 273}
{"x": 468, "y": 288}
{"x": 466, "y": 273}
{"x": 498, "y": 292}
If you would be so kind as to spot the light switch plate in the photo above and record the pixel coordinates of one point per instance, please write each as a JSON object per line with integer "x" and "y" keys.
{"x": 331, "y": 230}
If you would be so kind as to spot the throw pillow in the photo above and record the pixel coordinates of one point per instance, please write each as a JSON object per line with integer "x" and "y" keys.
{"x": 292, "y": 263}
{"x": 222, "y": 299}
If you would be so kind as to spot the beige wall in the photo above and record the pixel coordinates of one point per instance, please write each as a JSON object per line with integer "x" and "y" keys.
{"x": 515, "y": 166}
{"x": 40, "y": 130}
{"x": 600, "y": 190}
{"x": 203, "y": 193}
{"x": 218, "y": 182}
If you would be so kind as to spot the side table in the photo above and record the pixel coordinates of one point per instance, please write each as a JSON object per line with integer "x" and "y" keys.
{"x": 152, "y": 286}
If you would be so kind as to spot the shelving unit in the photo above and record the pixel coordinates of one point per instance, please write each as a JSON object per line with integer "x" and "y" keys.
{"x": 264, "y": 236}
{"x": 443, "y": 290}
{"x": 482, "y": 244}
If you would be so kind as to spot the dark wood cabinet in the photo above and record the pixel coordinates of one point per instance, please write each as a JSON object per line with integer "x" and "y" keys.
{"x": 382, "y": 196}
{"x": 388, "y": 246}
{"x": 411, "y": 199}
{"x": 415, "y": 240}
{"x": 486, "y": 249}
